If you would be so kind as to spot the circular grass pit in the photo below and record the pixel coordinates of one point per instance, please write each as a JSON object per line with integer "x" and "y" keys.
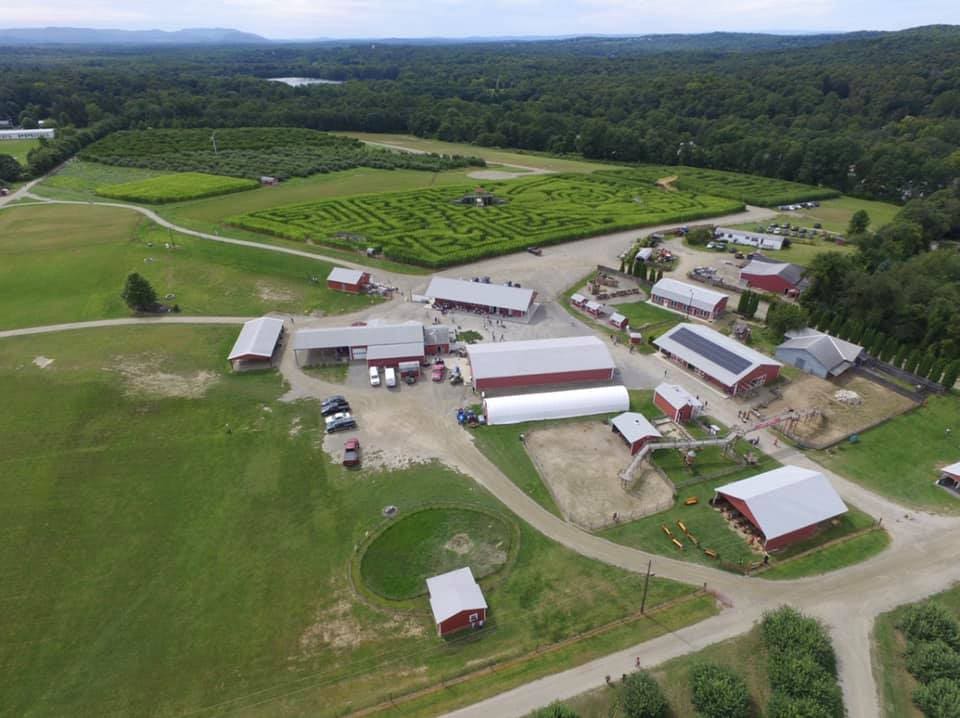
{"x": 432, "y": 541}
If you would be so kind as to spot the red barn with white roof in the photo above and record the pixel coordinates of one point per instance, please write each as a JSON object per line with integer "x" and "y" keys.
{"x": 538, "y": 362}
{"x": 676, "y": 402}
{"x": 456, "y": 601}
{"x": 785, "y": 505}
{"x": 691, "y": 299}
{"x": 352, "y": 281}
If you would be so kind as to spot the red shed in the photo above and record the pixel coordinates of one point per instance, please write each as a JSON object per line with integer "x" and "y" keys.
{"x": 538, "y": 362}
{"x": 775, "y": 277}
{"x": 717, "y": 358}
{"x": 785, "y": 505}
{"x": 456, "y": 601}
{"x": 617, "y": 320}
{"x": 676, "y": 402}
{"x": 635, "y": 430}
{"x": 352, "y": 281}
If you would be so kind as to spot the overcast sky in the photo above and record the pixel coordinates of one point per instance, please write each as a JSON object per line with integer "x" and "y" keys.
{"x": 458, "y": 18}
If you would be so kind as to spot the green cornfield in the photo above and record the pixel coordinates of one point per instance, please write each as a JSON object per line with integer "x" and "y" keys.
{"x": 429, "y": 228}
{"x": 175, "y": 188}
{"x": 750, "y": 189}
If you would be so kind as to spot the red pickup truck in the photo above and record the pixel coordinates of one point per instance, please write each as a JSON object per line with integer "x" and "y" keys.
{"x": 351, "y": 452}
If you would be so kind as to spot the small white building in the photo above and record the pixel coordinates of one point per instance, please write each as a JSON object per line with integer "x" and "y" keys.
{"x": 760, "y": 240}
{"x": 690, "y": 299}
{"x": 27, "y": 134}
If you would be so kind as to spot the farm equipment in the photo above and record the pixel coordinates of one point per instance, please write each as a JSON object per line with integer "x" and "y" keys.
{"x": 466, "y": 417}
{"x": 456, "y": 377}
{"x": 535, "y": 251}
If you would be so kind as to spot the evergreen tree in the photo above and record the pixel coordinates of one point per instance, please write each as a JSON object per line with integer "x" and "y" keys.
{"x": 951, "y": 374}
{"x": 835, "y": 326}
{"x": 888, "y": 349}
{"x": 913, "y": 361}
{"x": 859, "y": 222}
{"x": 936, "y": 370}
{"x": 138, "y": 294}
{"x": 901, "y": 356}
{"x": 923, "y": 368}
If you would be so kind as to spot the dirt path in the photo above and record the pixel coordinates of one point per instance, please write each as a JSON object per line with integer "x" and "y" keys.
{"x": 129, "y": 321}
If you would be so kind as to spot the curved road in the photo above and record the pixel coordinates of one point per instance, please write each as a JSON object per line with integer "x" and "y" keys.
{"x": 846, "y": 600}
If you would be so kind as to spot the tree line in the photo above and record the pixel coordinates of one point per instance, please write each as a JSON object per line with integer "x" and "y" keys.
{"x": 873, "y": 114}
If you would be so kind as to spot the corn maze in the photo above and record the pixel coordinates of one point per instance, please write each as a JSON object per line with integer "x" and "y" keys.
{"x": 428, "y": 228}
{"x": 751, "y": 189}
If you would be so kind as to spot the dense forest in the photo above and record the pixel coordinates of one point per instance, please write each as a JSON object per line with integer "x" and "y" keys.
{"x": 873, "y": 114}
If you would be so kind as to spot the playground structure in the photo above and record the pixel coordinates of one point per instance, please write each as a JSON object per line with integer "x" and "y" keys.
{"x": 788, "y": 420}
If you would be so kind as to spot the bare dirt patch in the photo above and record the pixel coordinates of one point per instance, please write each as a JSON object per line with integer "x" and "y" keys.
{"x": 839, "y": 416}
{"x": 581, "y": 463}
{"x": 667, "y": 183}
{"x": 496, "y": 175}
{"x": 144, "y": 375}
{"x": 273, "y": 294}
{"x": 460, "y": 544}
{"x": 336, "y": 626}
{"x": 42, "y": 361}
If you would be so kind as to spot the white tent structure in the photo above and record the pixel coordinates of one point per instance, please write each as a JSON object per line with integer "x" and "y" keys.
{"x": 556, "y": 405}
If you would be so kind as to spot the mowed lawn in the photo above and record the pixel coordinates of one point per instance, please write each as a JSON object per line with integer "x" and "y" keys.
{"x": 68, "y": 263}
{"x": 901, "y": 458}
{"x": 178, "y": 187}
{"x": 175, "y": 542}
{"x": 18, "y": 149}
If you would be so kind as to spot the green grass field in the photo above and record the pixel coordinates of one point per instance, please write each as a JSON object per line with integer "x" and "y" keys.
{"x": 492, "y": 155}
{"x": 18, "y": 149}
{"x": 433, "y": 541}
{"x": 834, "y": 215}
{"x": 429, "y": 228}
{"x": 78, "y": 180}
{"x": 900, "y": 458}
{"x": 68, "y": 263}
{"x": 176, "y": 188}
{"x": 646, "y": 317}
{"x": 746, "y": 654}
{"x": 889, "y": 664}
{"x": 169, "y": 555}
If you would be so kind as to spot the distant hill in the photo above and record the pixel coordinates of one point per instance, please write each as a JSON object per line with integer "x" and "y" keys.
{"x": 89, "y": 36}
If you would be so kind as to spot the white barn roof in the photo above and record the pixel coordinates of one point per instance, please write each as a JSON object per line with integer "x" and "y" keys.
{"x": 454, "y": 592}
{"x": 486, "y": 295}
{"x": 258, "y": 338}
{"x": 725, "y": 359}
{"x": 688, "y": 294}
{"x": 617, "y": 318}
{"x": 556, "y": 405}
{"x": 952, "y": 469}
{"x": 345, "y": 276}
{"x": 538, "y": 356}
{"x": 787, "y": 499}
{"x": 369, "y": 335}
{"x": 677, "y": 396}
{"x": 633, "y": 426}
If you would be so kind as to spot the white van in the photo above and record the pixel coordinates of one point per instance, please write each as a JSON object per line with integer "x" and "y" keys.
{"x": 391, "y": 377}
{"x": 374, "y": 376}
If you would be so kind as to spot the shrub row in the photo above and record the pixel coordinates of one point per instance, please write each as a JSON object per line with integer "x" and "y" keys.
{"x": 933, "y": 657}
{"x": 802, "y": 667}
{"x": 252, "y": 152}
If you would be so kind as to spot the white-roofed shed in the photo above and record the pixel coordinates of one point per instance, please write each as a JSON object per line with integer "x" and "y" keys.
{"x": 257, "y": 340}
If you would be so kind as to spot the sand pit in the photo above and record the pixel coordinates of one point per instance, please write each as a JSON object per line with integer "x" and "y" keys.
{"x": 580, "y": 463}
{"x": 841, "y": 414}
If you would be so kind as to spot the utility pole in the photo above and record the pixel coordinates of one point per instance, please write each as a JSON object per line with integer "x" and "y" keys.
{"x": 646, "y": 583}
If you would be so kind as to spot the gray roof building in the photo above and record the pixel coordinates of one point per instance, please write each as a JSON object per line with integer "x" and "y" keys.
{"x": 817, "y": 353}
{"x": 481, "y": 294}
{"x": 718, "y": 356}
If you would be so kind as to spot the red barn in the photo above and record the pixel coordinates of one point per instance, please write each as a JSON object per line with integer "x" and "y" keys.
{"x": 716, "y": 358}
{"x": 456, "y": 601}
{"x": 690, "y": 299}
{"x": 257, "y": 343}
{"x": 635, "y": 430}
{"x": 436, "y": 339}
{"x": 352, "y": 281}
{"x": 950, "y": 476}
{"x": 676, "y": 402}
{"x": 538, "y": 362}
{"x": 785, "y": 505}
{"x": 618, "y": 320}
{"x": 775, "y": 277}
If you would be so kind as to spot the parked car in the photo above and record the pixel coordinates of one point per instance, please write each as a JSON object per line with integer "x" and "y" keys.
{"x": 341, "y": 423}
{"x": 438, "y": 372}
{"x": 351, "y": 452}
{"x": 374, "y": 376}
{"x": 335, "y": 399}
{"x": 330, "y": 409}
{"x": 390, "y": 376}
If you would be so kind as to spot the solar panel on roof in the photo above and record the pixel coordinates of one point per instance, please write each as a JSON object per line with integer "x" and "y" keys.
{"x": 720, "y": 356}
